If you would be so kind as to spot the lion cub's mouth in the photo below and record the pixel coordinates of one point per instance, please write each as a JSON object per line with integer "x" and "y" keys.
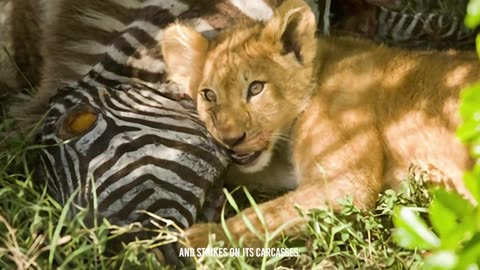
{"x": 251, "y": 156}
{"x": 246, "y": 158}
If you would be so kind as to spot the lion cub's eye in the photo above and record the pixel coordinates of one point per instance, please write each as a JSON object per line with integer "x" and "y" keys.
{"x": 255, "y": 88}
{"x": 209, "y": 95}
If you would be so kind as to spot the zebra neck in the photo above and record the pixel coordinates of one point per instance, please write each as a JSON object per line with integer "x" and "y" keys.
{"x": 135, "y": 55}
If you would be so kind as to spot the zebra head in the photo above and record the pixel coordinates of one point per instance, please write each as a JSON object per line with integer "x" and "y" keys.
{"x": 133, "y": 148}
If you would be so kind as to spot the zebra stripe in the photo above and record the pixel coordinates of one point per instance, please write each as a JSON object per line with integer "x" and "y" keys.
{"x": 403, "y": 27}
{"x": 134, "y": 149}
{"x": 101, "y": 21}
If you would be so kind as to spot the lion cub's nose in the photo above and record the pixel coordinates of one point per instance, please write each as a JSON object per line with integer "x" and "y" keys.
{"x": 234, "y": 141}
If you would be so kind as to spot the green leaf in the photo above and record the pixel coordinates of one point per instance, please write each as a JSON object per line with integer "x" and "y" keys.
{"x": 470, "y": 96}
{"x": 472, "y": 184}
{"x": 452, "y": 217}
{"x": 468, "y": 131}
{"x": 443, "y": 221}
{"x": 470, "y": 113}
{"x": 476, "y": 168}
{"x": 454, "y": 202}
{"x": 411, "y": 231}
{"x": 472, "y": 19}
{"x": 471, "y": 252}
{"x": 478, "y": 45}
{"x": 475, "y": 147}
{"x": 440, "y": 260}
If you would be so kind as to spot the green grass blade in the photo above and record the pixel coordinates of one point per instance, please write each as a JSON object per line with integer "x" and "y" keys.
{"x": 60, "y": 224}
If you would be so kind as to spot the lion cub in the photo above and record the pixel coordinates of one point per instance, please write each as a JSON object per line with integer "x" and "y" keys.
{"x": 336, "y": 116}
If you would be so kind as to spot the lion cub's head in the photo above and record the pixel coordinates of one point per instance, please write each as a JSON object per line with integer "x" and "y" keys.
{"x": 251, "y": 83}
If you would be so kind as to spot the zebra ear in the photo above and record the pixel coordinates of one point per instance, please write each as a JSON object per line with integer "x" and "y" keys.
{"x": 294, "y": 26}
{"x": 184, "y": 51}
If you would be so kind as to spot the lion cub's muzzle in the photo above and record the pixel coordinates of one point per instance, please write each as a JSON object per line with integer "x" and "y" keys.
{"x": 244, "y": 148}
{"x": 242, "y": 151}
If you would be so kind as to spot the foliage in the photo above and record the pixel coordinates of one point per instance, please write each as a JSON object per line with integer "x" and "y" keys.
{"x": 472, "y": 19}
{"x": 454, "y": 239}
{"x": 354, "y": 239}
{"x": 351, "y": 239}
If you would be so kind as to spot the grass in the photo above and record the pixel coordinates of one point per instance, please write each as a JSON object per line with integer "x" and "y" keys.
{"x": 36, "y": 233}
{"x": 351, "y": 239}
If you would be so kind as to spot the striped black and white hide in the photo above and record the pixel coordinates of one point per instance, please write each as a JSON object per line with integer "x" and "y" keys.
{"x": 127, "y": 138}
{"x": 143, "y": 150}
{"x": 433, "y": 24}
{"x": 423, "y": 29}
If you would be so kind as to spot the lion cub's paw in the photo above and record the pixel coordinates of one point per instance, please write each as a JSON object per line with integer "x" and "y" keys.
{"x": 199, "y": 235}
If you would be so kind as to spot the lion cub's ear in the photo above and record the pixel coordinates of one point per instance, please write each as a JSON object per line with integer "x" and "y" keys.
{"x": 184, "y": 51}
{"x": 294, "y": 26}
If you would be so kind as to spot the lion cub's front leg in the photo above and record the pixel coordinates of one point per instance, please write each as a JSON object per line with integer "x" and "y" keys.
{"x": 333, "y": 157}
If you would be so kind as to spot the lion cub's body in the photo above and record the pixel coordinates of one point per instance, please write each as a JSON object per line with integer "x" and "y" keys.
{"x": 336, "y": 116}
{"x": 403, "y": 105}
{"x": 405, "y": 101}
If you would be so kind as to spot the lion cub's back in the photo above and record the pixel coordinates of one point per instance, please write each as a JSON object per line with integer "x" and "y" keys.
{"x": 419, "y": 113}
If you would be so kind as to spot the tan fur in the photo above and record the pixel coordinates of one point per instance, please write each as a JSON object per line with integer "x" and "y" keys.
{"x": 354, "y": 116}
{"x": 184, "y": 73}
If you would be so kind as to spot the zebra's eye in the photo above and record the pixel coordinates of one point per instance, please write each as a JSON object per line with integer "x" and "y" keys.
{"x": 255, "y": 88}
{"x": 209, "y": 95}
{"x": 77, "y": 122}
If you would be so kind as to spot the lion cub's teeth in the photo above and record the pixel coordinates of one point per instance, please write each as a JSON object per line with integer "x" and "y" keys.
{"x": 243, "y": 156}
